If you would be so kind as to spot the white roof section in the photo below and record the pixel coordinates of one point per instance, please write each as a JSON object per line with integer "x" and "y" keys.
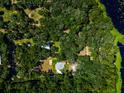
{"x": 0, "y": 60}
{"x": 58, "y": 71}
{"x": 46, "y": 47}
{"x": 74, "y": 67}
{"x": 59, "y": 66}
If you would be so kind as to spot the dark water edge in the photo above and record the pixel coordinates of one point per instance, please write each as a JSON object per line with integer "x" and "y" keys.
{"x": 115, "y": 10}
{"x": 11, "y": 60}
{"x": 122, "y": 64}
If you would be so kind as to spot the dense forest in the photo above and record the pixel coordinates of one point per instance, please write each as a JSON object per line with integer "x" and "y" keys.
{"x": 67, "y": 27}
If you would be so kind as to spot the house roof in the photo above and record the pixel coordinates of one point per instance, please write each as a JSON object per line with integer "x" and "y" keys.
{"x": 59, "y": 66}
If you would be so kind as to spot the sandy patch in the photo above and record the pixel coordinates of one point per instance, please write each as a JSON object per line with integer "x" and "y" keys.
{"x": 85, "y": 52}
{"x": 73, "y": 67}
{"x": 33, "y": 14}
{"x": 49, "y": 1}
{"x": 2, "y": 30}
{"x": 67, "y": 31}
{"x": 14, "y": 1}
{"x": 47, "y": 65}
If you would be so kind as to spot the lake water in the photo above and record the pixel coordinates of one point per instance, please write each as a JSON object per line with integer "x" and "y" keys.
{"x": 122, "y": 69}
{"x": 115, "y": 10}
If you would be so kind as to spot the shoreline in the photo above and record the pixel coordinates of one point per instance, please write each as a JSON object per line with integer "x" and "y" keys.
{"x": 118, "y": 38}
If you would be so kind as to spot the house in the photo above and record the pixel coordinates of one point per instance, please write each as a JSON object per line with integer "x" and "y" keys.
{"x": 47, "y": 46}
{"x": 59, "y": 66}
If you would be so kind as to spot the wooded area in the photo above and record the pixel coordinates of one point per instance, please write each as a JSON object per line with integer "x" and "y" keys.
{"x": 67, "y": 27}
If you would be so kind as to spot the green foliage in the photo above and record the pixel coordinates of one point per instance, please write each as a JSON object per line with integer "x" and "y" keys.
{"x": 87, "y": 27}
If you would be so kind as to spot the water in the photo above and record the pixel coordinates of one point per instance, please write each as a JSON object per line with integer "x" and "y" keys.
{"x": 122, "y": 69}
{"x": 11, "y": 60}
{"x": 115, "y": 10}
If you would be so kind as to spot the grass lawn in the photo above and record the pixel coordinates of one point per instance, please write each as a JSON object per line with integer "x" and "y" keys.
{"x": 22, "y": 41}
{"x": 119, "y": 36}
{"x": 118, "y": 66}
{"x": 34, "y": 14}
{"x": 55, "y": 60}
{"x": 7, "y": 14}
{"x": 57, "y": 44}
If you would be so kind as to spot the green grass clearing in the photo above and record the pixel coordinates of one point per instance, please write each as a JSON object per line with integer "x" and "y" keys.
{"x": 7, "y": 14}
{"x": 22, "y": 41}
{"x": 57, "y": 44}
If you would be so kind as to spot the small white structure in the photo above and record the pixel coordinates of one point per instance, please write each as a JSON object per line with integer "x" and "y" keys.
{"x": 59, "y": 66}
{"x": 0, "y": 61}
{"x": 29, "y": 45}
{"x": 73, "y": 67}
{"x": 46, "y": 47}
